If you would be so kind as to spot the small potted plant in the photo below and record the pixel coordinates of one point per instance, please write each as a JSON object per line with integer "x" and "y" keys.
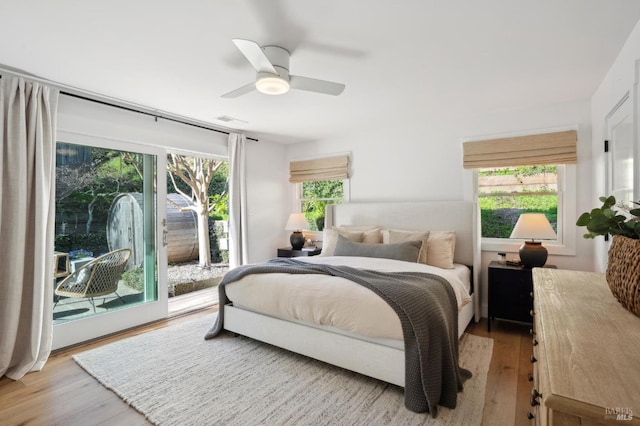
{"x": 623, "y": 269}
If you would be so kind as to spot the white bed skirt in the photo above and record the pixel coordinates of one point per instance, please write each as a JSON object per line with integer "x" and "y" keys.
{"x": 363, "y": 356}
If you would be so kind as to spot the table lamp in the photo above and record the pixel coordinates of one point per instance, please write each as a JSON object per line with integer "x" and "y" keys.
{"x": 533, "y": 226}
{"x": 296, "y": 223}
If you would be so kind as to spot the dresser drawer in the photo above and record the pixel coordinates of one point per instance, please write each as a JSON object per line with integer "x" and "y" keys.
{"x": 539, "y": 411}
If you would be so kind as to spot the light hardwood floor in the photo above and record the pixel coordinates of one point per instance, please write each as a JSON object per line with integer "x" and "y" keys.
{"x": 63, "y": 394}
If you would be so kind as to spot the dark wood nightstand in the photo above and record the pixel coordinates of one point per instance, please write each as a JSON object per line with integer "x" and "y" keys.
{"x": 289, "y": 252}
{"x": 510, "y": 293}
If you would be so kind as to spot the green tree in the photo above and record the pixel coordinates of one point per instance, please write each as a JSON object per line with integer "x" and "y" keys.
{"x": 93, "y": 184}
{"x": 315, "y": 196}
{"x": 198, "y": 174}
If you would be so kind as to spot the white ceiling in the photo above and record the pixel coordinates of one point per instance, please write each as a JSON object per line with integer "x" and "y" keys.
{"x": 399, "y": 60}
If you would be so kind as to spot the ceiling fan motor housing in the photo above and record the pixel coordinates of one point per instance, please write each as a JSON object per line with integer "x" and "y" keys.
{"x": 278, "y": 56}
{"x": 274, "y": 84}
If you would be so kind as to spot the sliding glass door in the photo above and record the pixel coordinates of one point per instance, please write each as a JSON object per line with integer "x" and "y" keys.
{"x": 110, "y": 263}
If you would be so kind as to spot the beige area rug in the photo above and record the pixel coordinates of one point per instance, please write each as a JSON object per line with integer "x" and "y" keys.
{"x": 174, "y": 377}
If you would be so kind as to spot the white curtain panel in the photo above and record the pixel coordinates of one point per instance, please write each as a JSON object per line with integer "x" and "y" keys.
{"x": 28, "y": 112}
{"x": 238, "y": 245}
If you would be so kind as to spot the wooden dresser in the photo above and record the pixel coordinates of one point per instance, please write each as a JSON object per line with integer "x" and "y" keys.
{"x": 586, "y": 353}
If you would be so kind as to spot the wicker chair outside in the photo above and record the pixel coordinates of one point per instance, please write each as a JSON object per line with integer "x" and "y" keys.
{"x": 99, "y": 277}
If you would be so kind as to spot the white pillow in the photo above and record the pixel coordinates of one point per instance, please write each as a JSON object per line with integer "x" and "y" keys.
{"x": 441, "y": 246}
{"x": 330, "y": 239}
{"x": 370, "y": 233}
{"x": 84, "y": 274}
{"x": 394, "y": 236}
{"x": 79, "y": 281}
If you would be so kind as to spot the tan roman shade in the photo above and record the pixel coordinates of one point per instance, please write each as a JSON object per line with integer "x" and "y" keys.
{"x": 319, "y": 169}
{"x": 545, "y": 148}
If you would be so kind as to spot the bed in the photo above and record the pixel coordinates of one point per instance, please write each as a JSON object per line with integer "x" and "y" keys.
{"x": 379, "y": 354}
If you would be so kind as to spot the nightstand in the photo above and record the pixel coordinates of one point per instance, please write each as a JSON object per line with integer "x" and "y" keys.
{"x": 510, "y": 293}
{"x": 289, "y": 252}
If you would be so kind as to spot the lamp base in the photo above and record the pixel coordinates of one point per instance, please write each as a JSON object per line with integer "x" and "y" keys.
{"x": 533, "y": 254}
{"x": 297, "y": 240}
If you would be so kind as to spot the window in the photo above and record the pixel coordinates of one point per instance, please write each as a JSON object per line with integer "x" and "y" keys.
{"x": 506, "y": 192}
{"x": 532, "y": 172}
{"x": 313, "y": 196}
{"x": 319, "y": 181}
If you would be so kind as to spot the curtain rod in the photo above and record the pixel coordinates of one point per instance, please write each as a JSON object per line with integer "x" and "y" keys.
{"x": 64, "y": 90}
{"x": 156, "y": 116}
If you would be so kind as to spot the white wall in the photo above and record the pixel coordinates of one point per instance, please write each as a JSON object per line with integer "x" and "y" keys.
{"x": 86, "y": 122}
{"x": 621, "y": 79}
{"x": 416, "y": 161}
{"x": 91, "y": 118}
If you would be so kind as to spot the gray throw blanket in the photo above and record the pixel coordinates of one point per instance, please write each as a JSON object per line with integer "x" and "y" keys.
{"x": 427, "y": 307}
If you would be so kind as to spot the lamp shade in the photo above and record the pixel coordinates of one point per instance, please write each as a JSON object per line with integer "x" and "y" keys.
{"x": 533, "y": 226}
{"x": 296, "y": 222}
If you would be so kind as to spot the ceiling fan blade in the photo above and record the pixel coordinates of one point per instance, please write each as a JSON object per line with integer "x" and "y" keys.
{"x": 314, "y": 85}
{"x": 240, "y": 91}
{"x": 255, "y": 55}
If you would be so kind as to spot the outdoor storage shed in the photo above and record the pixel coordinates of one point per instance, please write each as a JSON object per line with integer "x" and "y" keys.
{"x": 125, "y": 228}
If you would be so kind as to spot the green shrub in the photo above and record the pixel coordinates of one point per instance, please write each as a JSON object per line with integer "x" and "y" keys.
{"x": 216, "y": 253}
{"x": 63, "y": 243}
{"x": 134, "y": 278}
{"x": 95, "y": 242}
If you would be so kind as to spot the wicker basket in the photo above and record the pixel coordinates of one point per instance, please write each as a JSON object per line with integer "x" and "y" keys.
{"x": 623, "y": 272}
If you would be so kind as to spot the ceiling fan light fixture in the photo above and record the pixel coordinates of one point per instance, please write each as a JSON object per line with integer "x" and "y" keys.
{"x": 272, "y": 85}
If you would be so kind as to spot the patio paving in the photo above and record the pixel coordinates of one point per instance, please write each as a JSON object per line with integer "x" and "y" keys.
{"x": 69, "y": 308}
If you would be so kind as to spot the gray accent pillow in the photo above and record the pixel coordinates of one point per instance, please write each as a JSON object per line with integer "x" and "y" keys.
{"x": 407, "y": 251}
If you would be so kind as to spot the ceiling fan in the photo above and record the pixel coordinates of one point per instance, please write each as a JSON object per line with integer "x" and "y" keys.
{"x": 272, "y": 73}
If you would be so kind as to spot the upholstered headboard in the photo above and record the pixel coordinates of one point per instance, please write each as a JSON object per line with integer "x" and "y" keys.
{"x": 459, "y": 216}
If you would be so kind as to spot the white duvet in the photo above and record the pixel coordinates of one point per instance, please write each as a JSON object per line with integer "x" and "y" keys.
{"x": 333, "y": 301}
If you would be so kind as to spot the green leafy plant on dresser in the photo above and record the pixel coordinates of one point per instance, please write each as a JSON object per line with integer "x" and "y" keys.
{"x": 605, "y": 220}
{"x": 623, "y": 269}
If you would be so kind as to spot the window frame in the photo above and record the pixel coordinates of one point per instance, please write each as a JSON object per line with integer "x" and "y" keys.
{"x": 298, "y": 199}
{"x": 565, "y": 245}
